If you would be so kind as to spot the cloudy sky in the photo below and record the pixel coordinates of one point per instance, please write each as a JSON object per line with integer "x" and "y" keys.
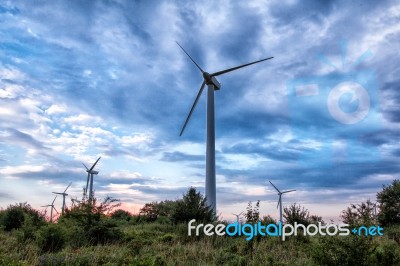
{"x": 83, "y": 79}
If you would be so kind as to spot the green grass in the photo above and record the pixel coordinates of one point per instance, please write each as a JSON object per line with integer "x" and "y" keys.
{"x": 157, "y": 244}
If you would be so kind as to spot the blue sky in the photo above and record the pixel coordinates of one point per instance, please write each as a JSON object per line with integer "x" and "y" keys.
{"x": 80, "y": 80}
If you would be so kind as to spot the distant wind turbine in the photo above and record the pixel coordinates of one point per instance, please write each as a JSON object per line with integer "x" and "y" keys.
{"x": 280, "y": 200}
{"x": 212, "y": 84}
{"x": 75, "y": 201}
{"x": 51, "y": 209}
{"x": 63, "y": 194}
{"x": 89, "y": 181}
{"x": 237, "y": 216}
{"x": 375, "y": 212}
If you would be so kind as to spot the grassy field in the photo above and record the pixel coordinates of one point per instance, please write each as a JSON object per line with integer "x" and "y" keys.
{"x": 166, "y": 244}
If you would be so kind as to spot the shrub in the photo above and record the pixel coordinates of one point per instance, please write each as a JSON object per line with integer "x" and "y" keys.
{"x": 103, "y": 232}
{"x": 386, "y": 253}
{"x": 50, "y": 238}
{"x": 15, "y": 216}
{"x": 121, "y": 215}
{"x": 341, "y": 250}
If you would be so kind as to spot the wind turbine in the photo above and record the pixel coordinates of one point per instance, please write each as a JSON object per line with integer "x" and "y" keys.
{"x": 89, "y": 181}
{"x": 75, "y": 200}
{"x": 212, "y": 84}
{"x": 280, "y": 200}
{"x": 51, "y": 209}
{"x": 375, "y": 212}
{"x": 63, "y": 194}
{"x": 237, "y": 216}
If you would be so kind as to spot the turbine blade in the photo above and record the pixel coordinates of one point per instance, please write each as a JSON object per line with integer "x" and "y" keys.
{"x": 234, "y": 68}
{"x": 54, "y": 200}
{"x": 287, "y": 191}
{"x": 277, "y": 206}
{"x": 275, "y": 187}
{"x": 201, "y": 70}
{"x": 56, "y": 210}
{"x": 85, "y": 167}
{"x": 67, "y": 187}
{"x": 91, "y": 168}
{"x": 193, "y": 106}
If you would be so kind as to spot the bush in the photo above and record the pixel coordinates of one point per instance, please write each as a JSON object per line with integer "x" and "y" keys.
{"x": 386, "y": 253}
{"x": 13, "y": 218}
{"x": 341, "y": 250}
{"x": 104, "y": 232}
{"x": 50, "y": 238}
{"x": 16, "y": 215}
{"x": 121, "y": 215}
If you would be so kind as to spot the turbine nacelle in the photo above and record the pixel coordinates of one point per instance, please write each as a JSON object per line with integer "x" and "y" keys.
{"x": 211, "y": 80}
{"x": 93, "y": 172}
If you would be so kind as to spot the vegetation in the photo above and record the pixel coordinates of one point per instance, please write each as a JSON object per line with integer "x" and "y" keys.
{"x": 100, "y": 234}
{"x": 389, "y": 200}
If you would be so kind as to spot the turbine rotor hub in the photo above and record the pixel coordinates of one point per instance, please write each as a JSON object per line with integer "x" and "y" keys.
{"x": 211, "y": 80}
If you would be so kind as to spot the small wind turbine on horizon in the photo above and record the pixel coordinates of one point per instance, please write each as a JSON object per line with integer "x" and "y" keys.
{"x": 237, "y": 216}
{"x": 51, "y": 209}
{"x": 89, "y": 181}
{"x": 374, "y": 208}
{"x": 75, "y": 201}
{"x": 63, "y": 194}
{"x": 280, "y": 200}
{"x": 212, "y": 84}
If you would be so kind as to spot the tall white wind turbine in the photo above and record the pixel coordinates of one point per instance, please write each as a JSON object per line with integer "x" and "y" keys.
{"x": 89, "y": 182}
{"x": 63, "y": 194}
{"x": 280, "y": 200}
{"x": 212, "y": 84}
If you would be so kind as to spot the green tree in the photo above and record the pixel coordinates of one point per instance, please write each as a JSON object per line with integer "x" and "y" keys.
{"x": 166, "y": 208}
{"x": 253, "y": 213}
{"x": 296, "y": 213}
{"x": 359, "y": 214}
{"x": 192, "y": 206}
{"x": 389, "y": 203}
{"x": 121, "y": 215}
{"x": 149, "y": 211}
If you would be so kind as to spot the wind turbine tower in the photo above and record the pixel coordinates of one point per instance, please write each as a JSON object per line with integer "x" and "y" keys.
{"x": 63, "y": 194}
{"x": 280, "y": 200}
{"x": 51, "y": 209}
{"x": 89, "y": 181}
{"x": 213, "y": 85}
